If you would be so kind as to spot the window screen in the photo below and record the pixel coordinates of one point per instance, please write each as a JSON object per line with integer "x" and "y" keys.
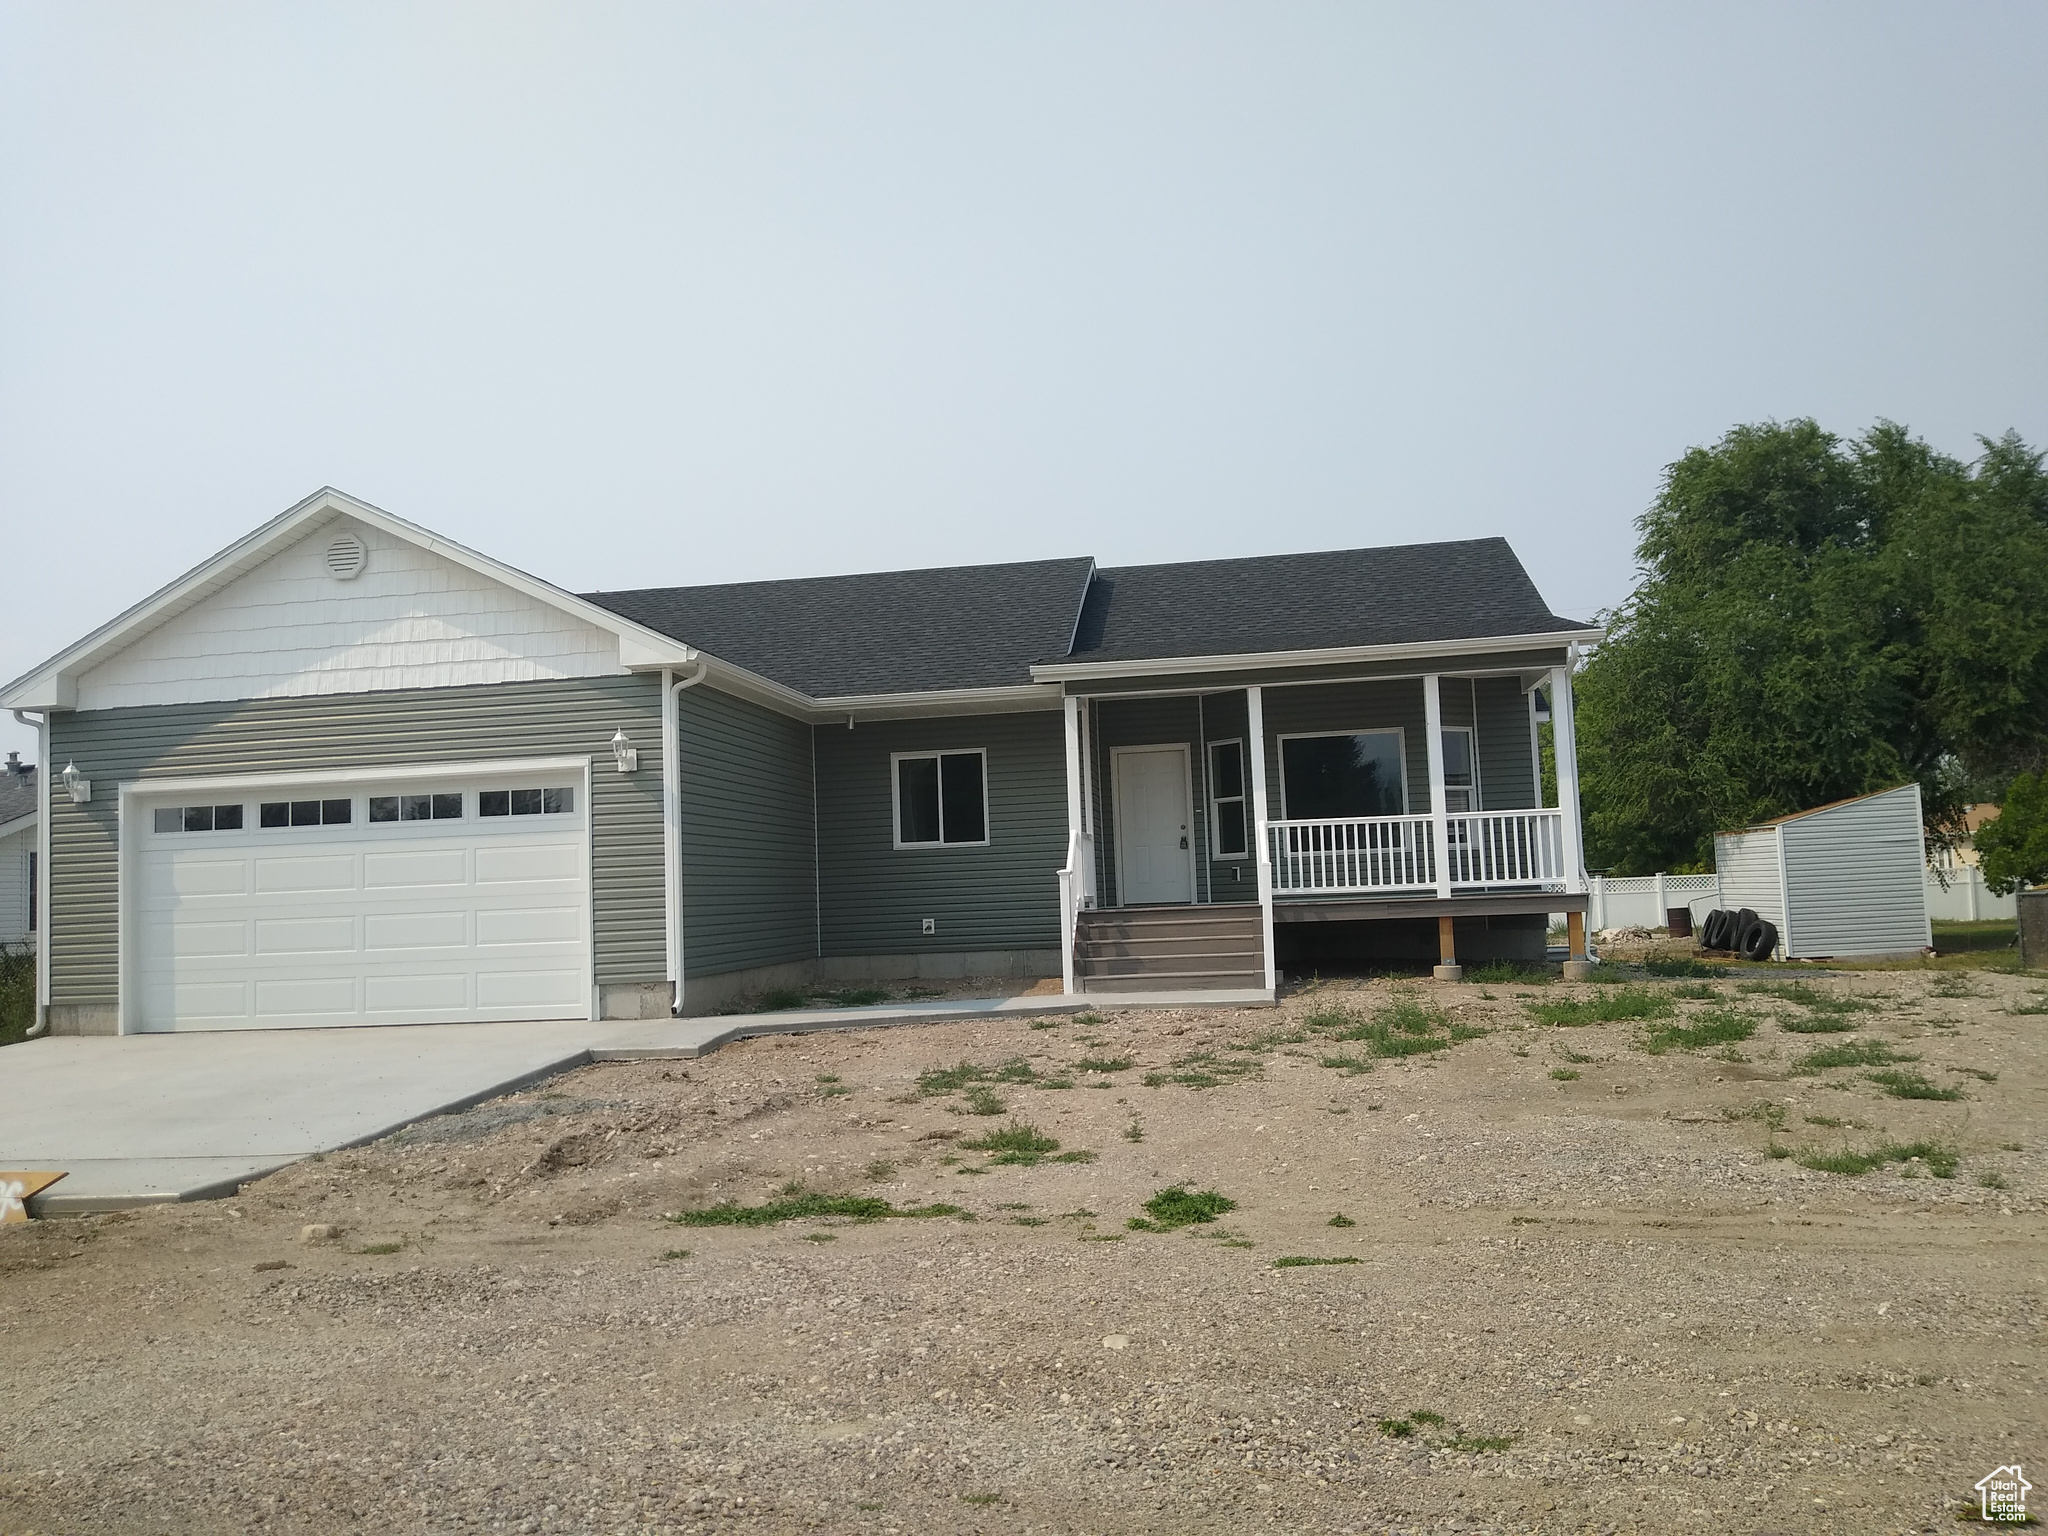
{"x": 1326, "y": 778}
{"x": 941, "y": 799}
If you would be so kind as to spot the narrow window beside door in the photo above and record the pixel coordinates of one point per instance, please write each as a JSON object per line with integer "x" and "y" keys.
{"x": 1226, "y": 798}
{"x": 941, "y": 799}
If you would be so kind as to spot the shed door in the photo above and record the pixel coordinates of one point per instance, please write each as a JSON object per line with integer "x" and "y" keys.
{"x": 408, "y": 903}
{"x": 1153, "y": 835}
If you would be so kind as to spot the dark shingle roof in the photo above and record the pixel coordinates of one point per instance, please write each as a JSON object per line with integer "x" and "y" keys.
{"x": 983, "y": 626}
{"x": 17, "y": 795}
{"x": 967, "y": 626}
{"x": 1404, "y": 594}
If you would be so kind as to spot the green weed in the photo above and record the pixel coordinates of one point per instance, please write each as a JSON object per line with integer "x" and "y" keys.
{"x": 821, "y": 1237}
{"x": 1305, "y": 1261}
{"x": 1695, "y": 992}
{"x": 855, "y": 997}
{"x": 1564, "y": 1074}
{"x": 1017, "y": 1144}
{"x": 781, "y": 1000}
{"x": 1104, "y": 1064}
{"x": 380, "y": 1248}
{"x": 2038, "y": 1006}
{"x": 1620, "y": 1006}
{"x": 1816, "y": 1023}
{"x": 881, "y": 1168}
{"x": 1506, "y": 973}
{"x": 1911, "y": 1085}
{"x": 1342, "y": 1221}
{"x": 1203, "y": 1069}
{"x": 1135, "y": 1131}
{"x": 1940, "y": 1160}
{"x": 965, "y": 1074}
{"x": 800, "y": 1205}
{"x": 983, "y": 1100}
{"x": 1850, "y": 1053}
{"x": 1350, "y": 1066}
{"x": 1179, "y": 1206}
{"x": 1809, "y": 997}
{"x": 1709, "y": 1027}
{"x": 1683, "y": 965}
{"x": 1994, "y": 1180}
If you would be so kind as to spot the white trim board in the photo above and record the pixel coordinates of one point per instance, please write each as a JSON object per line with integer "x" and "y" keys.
{"x": 1082, "y": 671}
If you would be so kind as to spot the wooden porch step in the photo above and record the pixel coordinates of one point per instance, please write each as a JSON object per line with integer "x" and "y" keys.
{"x": 1105, "y": 947}
{"x": 1179, "y": 948}
{"x": 1195, "y": 964}
{"x": 1179, "y": 981}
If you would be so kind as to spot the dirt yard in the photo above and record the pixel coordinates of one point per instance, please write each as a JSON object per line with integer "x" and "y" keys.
{"x": 1482, "y": 1272}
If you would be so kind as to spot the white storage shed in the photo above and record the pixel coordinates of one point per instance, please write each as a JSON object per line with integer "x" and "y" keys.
{"x": 1842, "y": 879}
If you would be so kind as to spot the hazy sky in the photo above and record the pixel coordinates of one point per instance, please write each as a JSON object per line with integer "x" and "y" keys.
{"x": 631, "y": 295}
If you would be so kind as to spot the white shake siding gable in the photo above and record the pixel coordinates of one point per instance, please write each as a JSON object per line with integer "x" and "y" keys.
{"x": 288, "y": 628}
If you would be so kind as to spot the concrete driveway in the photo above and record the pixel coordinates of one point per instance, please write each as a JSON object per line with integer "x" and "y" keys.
{"x": 140, "y": 1118}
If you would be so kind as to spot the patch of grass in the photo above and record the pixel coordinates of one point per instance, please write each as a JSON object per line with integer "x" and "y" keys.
{"x": 1399, "y": 1429}
{"x": 880, "y": 1169}
{"x": 1978, "y": 1073}
{"x": 1699, "y": 1031}
{"x": 983, "y": 1100}
{"x": 1104, "y": 1064}
{"x": 1089, "y": 1019}
{"x": 1135, "y": 1131}
{"x": 677, "y": 1253}
{"x": 1940, "y": 1160}
{"x": 800, "y": 1205}
{"x": 821, "y": 1237}
{"x": 1834, "y": 1124}
{"x": 1955, "y": 984}
{"x": 1507, "y": 973}
{"x": 1307, "y": 1261}
{"x": 781, "y": 1000}
{"x": 1030, "y": 1221}
{"x": 1850, "y": 1053}
{"x": 1403, "y": 1027}
{"x": 1994, "y": 1180}
{"x": 17, "y": 993}
{"x": 1564, "y": 1074}
{"x": 855, "y": 997}
{"x": 1047, "y": 1023}
{"x": 966, "y": 1074}
{"x": 2038, "y": 1006}
{"x": 1621, "y": 1006}
{"x": 1017, "y": 1136}
{"x": 1203, "y": 1069}
{"x": 833, "y": 1090}
{"x": 1809, "y": 997}
{"x": 923, "y": 994}
{"x": 1695, "y": 992}
{"x": 1341, "y": 1220}
{"x": 1350, "y": 1066}
{"x": 1683, "y": 966}
{"x": 1178, "y": 1206}
{"x": 1911, "y": 1085}
{"x": 1076, "y": 1156}
{"x": 1816, "y": 1023}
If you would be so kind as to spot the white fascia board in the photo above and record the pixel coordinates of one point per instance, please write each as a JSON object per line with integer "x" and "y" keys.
{"x": 1082, "y": 671}
{"x": 942, "y": 701}
{"x": 19, "y": 824}
{"x": 53, "y": 684}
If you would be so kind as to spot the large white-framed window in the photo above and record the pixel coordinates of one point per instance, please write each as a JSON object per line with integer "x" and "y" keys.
{"x": 1461, "y": 770}
{"x": 941, "y": 798}
{"x": 1229, "y": 830}
{"x": 1344, "y": 775}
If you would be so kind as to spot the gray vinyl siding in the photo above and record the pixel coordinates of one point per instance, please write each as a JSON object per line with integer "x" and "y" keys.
{"x": 1507, "y": 771}
{"x": 1748, "y": 865}
{"x": 748, "y": 833}
{"x": 15, "y": 847}
{"x": 574, "y": 717}
{"x": 1003, "y": 896}
{"x": 1855, "y": 877}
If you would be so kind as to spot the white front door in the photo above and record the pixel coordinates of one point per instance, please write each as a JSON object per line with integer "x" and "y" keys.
{"x": 1153, "y": 832}
{"x": 423, "y": 901}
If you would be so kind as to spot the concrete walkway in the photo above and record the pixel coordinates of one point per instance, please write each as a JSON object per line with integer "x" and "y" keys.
{"x": 138, "y": 1119}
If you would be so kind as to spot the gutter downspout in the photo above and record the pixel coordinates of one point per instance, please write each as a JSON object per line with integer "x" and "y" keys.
{"x": 42, "y": 726}
{"x": 671, "y": 820}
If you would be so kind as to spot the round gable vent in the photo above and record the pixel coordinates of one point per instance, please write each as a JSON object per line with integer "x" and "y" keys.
{"x": 346, "y": 557}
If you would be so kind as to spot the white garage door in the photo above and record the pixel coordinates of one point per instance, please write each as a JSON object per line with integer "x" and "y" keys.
{"x": 398, "y": 903}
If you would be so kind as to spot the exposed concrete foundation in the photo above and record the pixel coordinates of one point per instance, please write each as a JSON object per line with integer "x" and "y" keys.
{"x": 84, "y": 1019}
{"x": 709, "y": 994}
{"x": 634, "y": 1000}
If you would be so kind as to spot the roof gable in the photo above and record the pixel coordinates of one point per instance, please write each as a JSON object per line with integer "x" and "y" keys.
{"x": 264, "y": 618}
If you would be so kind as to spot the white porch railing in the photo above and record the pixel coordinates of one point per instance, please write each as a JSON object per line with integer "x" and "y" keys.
{"x": 1397, "y": 854}
{"x": 1381, "y": 853}
{"x": 1077, "y": 894}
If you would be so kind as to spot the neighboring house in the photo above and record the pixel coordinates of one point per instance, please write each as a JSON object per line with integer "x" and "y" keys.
{"x": 349, "y": 772}
{"x": 1964, "y": 853}
{"x": 18, "y": 854}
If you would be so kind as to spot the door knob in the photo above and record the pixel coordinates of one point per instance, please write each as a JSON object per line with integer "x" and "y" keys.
{"x": 1183, "y": 842}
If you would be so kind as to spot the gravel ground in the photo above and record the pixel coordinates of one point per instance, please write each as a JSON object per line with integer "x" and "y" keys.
{"x": 1591, "y": 1302}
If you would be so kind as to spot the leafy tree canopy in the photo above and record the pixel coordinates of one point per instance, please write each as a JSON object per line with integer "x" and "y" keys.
{"x": 2014, "y": 847}
{"x": 1816, "y": 619}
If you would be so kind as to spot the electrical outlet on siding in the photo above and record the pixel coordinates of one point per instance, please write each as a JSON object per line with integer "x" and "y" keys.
{"x": 928, "y": 925}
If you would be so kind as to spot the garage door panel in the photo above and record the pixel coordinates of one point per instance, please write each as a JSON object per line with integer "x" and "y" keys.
{"x": 362, "y": 919}
{"x": 432, "y": 993}
{"x": 506, "y": 865}
{"x": 528, "y": 989}
{"x": 228, "y": 937}
{"x": 324, "y": 872}
{"x": 325, "y": 935}
{"x": 383, "y": 931}
{"x": 415, "y": 867}
{"x": 530, "y": 925}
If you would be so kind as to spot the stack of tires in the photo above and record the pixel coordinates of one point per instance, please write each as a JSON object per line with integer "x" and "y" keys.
{"x": 1742, "y": 933}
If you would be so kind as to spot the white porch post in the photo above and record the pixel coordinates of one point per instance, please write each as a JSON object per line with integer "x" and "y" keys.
{"x": 1255, "y": 712}
{"x": 1440, "y": 828}
{"x": 1565, "y": 747}
{"x": 1070, "y": 877}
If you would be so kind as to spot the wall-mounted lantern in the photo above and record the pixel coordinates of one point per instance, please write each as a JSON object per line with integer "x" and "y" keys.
{"x": 627, "y": 754}
{"x": 79, "y": 785}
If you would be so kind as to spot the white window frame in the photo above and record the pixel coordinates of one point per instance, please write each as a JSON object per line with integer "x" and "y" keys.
{"x": 1242, "y": 799}
{"x": 1398, "y": 732}
{"x": 1475, "y": 802}
{"x": 896, "y": 800}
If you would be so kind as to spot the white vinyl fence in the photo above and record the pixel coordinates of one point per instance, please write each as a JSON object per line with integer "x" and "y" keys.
{"x": 1641, "y": 901}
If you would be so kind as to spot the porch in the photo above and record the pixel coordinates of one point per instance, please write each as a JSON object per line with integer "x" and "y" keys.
{"x": 1205, "y": 823}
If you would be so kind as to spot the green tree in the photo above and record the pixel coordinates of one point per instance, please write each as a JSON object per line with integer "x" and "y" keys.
{"x": 2014, "y": 847}
{"x": 1815, "y": 620}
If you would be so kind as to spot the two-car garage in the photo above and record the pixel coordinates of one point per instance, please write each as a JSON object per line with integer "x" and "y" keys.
{"x": 414, "y": 895}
